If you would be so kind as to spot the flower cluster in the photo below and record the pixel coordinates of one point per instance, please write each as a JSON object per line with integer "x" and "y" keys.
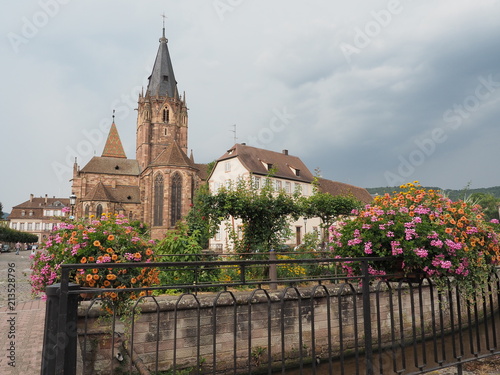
{"x": 110, "y": 239}
{"x": 419, "y": 230}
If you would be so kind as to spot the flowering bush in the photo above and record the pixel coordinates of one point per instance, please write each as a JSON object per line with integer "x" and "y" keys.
{"x": 420, "y": 230}
{"x": 110, "y": 239}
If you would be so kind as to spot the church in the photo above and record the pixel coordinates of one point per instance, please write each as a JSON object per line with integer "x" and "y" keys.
{"x": 156, "y": 187}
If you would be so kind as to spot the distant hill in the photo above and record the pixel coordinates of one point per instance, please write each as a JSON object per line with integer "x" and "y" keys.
{"x": 452, "y": 194}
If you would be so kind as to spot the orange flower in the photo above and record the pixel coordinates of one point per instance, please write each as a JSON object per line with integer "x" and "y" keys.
{"x": 95, "y": 270}
{"x": 83, "y": 260}
{"x": 73, "y": 234}
{"x": 149, "y": 252}
{"x": 111, "y": 237}
{"x": 137, "y": 255}
{"x": 109, "y": 250}
{"x": 113, "y": 295}
{"x": 448, "y": 230}
{"x": 97, "y": 243}
{"x": 88, "y": 277}
{"x": 96, "y": 277}
{"x": 111, "y": 276}
{"x": 91, "y": 259}
{"x": 133, "y": 280}
{"x": 106, "y": 283}
{"x": 114, "y": 257}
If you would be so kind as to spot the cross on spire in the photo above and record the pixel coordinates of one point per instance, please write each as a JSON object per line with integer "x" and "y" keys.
{"x": 163, "y": 16}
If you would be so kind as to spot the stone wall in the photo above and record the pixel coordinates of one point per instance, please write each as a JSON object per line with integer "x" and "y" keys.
{"x": 245, "y": 328}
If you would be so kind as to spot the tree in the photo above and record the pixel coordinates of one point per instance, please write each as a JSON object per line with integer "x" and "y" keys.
{"x": 488, "y": 203}
{"x": 12, "y": 235}
{"x": 265, "y": 213}
{"x": 203, "y": 218}
{"x": 1, "y": 211}
{"x": 329, "y": 208}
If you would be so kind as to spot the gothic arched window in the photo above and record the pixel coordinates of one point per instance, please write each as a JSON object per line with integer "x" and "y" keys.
{"x": 176, "y": 199}
{"x": 166, "y": 115}
{"x": 98, "y": 211}
{"x": 158, "y": 201}
{"x": 87, "y": 210}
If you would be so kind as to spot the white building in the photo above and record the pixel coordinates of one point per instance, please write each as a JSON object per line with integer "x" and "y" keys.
{"x": 289, "y": 173}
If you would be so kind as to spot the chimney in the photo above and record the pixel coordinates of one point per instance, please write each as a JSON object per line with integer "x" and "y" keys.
{"x": 46, "y": 197}
{"x": 285, "y": 152}
{"x": 31, "y": 197}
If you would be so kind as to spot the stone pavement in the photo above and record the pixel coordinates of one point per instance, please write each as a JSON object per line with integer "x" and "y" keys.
{"x": 26, "y": 320}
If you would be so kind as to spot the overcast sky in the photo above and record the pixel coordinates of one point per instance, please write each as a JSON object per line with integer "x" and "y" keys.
{"x": 373, "y": 93}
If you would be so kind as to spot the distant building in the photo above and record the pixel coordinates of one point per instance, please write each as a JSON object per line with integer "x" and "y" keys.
{"x": 38, "y": 215}
{"x": 289, "y": 173}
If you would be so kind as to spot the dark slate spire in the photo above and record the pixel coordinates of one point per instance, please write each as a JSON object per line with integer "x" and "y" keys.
{"x": 162, "y": 80}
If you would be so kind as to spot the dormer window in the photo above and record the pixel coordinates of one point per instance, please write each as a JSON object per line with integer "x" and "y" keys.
{"x": 165, "y": 78}
{"x": 269, "y": 166}
{"x": 295, "y": 171}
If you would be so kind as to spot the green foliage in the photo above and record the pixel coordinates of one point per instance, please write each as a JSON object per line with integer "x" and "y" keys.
{"x": 12, "y": 235}
{"x": 329, "y": 208}
{"x": 1, "y": 211}
{"x": 265, "y": 213}
{"x": 179, "y": 246}
{"x": 488, "y": 203}
{"x": 203, "y": 218}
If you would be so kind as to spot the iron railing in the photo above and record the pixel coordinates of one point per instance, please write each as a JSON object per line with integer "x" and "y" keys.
{"x": 293, "y": 316}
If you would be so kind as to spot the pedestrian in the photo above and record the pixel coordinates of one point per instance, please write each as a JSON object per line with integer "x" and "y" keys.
{"x": 18, "y": 247}
{"x": 33, "y": 249}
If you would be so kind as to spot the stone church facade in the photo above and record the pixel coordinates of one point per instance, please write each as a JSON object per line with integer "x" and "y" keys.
{"x": 156, "y": 187}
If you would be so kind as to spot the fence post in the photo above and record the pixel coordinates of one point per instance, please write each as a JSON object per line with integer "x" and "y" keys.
{"x": 367, "y": 319}
{"x": 273, "y": 273}
{"x": 60, "y": 337}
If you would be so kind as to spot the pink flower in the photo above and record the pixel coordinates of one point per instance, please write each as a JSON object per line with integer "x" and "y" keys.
{"x": 368, "y": 248}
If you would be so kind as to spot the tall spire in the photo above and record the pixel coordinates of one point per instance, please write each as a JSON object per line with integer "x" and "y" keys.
{"x": 113, "y": 147}
{"x": 162, "y": 80}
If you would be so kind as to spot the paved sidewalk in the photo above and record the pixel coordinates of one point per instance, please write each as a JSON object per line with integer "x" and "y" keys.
{"x": 26, "y": 321}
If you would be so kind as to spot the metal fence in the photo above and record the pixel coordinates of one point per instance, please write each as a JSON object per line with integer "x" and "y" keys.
{"x": 293, "y": 316}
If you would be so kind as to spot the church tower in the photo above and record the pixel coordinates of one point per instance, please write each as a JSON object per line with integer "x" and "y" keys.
{"x": 168, "y": 177}
{"x": 162, "y": 114}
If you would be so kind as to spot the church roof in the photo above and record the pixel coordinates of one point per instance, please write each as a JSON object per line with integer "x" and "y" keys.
{"x": 202, "y": 171}
{"x": 173, "y": 156}
{"x": 340, "y": 188}
{"x": 112, "y": 165}
{"x": 113, "y": 147}
{"x": 162, "y": 80}
{"x": 258, "y": 160}
{"x": 119, "y": 194}
{"x": 99, "y": 193}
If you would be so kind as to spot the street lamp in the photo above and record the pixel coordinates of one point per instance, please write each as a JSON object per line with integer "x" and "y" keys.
{"x": 305, "y": 224}
{"x": 72, "y": 202}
